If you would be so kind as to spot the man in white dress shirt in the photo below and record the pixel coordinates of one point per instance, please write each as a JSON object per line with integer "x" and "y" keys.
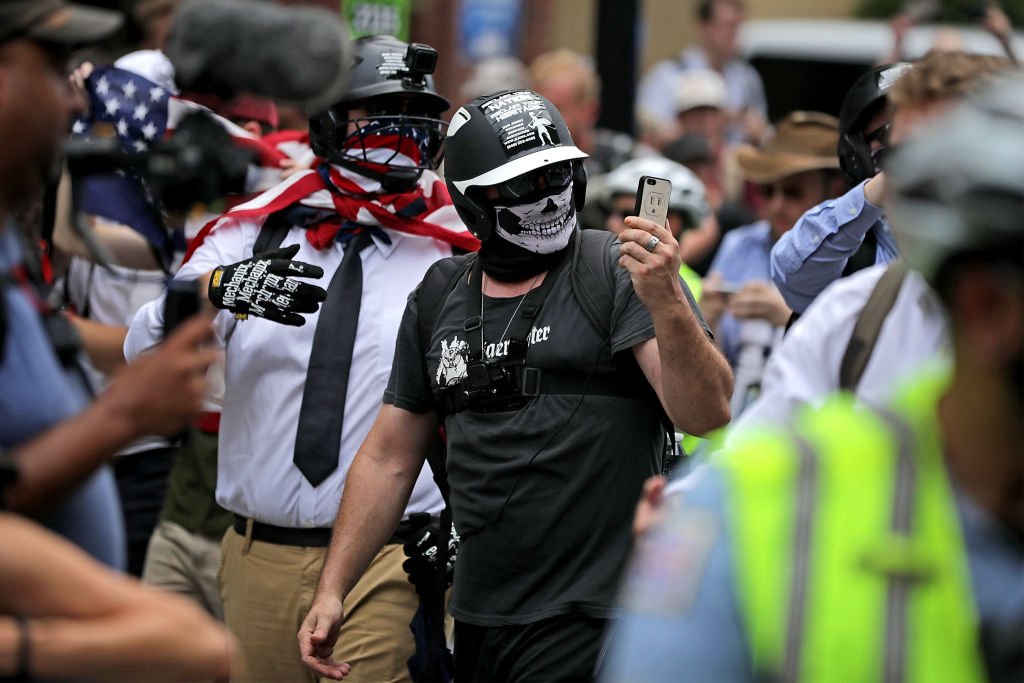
{"x": 805, "y": 368}
{"x": 371, "y": 203}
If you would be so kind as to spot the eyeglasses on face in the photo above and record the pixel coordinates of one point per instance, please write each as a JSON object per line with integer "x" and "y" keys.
{"x": 790, "y": 191}
{"x": 879, "y": 135}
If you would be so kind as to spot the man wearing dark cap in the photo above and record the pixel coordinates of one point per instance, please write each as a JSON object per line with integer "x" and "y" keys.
{"x": 56, "y": 443}
{"x": 57, "y": 22}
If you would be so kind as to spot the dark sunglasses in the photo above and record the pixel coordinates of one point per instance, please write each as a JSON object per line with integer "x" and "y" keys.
{"x": 554, "y": 177}
{"x": 793, "y": 193}
{"x": 879, "y": 135}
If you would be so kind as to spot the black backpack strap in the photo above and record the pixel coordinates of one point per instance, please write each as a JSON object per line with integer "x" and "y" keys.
{"x": 593, "y": 283}
{"x": 438, "y": 282}
{"x": 272, "y": 233}
{"x": 868, "y": 327}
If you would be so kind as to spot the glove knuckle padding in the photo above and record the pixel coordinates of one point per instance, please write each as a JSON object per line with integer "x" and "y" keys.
{"x": 260, "y": 286}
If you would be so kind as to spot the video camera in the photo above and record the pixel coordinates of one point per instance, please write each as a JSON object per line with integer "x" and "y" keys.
{"x": 297, "y": 55}
{"x": 199, "y": 164}
{"x": 493, "y": 385}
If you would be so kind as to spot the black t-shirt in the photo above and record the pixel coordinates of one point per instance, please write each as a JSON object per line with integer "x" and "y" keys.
{"x": 542, "y": 496}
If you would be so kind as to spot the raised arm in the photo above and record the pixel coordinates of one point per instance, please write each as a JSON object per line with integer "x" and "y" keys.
{"x": 157, "y": 395}
{"x": 377, "y": 489}
{"x": 690, "y": 375}
{"x": 814, "y": 253}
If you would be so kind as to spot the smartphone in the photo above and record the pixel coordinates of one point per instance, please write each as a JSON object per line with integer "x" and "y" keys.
{"x": 182, "y": 303}
{"x": 652, "y": 199}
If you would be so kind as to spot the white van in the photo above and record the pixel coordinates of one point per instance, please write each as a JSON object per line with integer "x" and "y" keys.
{"x": 810, "y": 63}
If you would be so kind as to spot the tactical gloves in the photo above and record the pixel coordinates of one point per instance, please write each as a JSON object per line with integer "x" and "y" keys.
{"x": 265, "y": 286}
{"x": 422, "y": 551}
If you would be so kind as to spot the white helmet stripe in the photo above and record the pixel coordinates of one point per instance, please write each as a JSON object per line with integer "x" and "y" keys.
{"x": 524, "y": 164}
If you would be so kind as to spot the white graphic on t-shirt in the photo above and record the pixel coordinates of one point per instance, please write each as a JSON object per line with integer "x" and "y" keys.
{"x": 452, "y": 368}
{"x": 541, "y": 124}
{"x": 537, "y": 335}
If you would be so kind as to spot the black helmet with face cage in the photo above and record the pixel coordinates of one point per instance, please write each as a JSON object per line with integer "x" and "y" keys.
{"x": 401, "y": 133}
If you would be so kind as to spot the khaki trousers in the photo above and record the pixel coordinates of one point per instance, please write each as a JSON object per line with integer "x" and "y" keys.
{"x": 267, "y": 590}
{"x": 185, "y": 563}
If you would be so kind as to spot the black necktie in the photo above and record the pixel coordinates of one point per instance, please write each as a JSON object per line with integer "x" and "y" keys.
{"x": 322, "y": 414}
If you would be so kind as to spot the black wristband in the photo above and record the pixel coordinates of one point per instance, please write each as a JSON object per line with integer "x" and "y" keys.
{"x": 22, "y": 671}
{"x": 8, "y": 476}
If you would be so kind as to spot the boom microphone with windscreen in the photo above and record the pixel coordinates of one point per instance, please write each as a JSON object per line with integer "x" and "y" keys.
{"x": 297, "y": 55}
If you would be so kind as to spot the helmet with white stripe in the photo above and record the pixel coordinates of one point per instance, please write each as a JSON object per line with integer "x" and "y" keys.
{"x": 499, "y": 137}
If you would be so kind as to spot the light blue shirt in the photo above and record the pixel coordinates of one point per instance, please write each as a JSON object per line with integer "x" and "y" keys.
{"x": 743, "y": 257}
{"x": 682, "y": 620}
{"x": 36, "y": 393}
{"x": 814, "y": 253}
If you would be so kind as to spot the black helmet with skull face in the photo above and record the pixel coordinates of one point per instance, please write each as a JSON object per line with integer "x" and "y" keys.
{"x": 512, "y": 168}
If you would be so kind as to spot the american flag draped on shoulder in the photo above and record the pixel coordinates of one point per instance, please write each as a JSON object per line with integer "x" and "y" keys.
{"x": 141, "y": 113}
{"x": 338, "y": 196}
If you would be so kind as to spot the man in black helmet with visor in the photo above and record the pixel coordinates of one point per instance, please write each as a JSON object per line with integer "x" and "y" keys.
{"x": 846, "y": 234}
{"x": 554, "y": 409}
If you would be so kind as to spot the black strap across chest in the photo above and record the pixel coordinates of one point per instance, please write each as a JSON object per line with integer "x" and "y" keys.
{"x": 521, "y": 323}
{"x": 868, "y": 327}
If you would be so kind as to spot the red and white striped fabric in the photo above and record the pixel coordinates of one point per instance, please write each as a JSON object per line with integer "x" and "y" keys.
{"x": 426, "y": 211}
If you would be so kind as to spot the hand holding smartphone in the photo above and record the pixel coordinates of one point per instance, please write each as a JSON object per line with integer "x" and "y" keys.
{"x": 652, "y": 195}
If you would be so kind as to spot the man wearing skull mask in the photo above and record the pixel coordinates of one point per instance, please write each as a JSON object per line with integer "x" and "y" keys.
{"x": 552, "y": 424}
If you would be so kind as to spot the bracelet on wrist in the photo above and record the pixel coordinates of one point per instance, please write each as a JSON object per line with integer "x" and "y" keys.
{"x": 22, "y": 669}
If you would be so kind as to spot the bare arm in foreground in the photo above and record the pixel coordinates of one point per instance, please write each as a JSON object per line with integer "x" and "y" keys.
{"x": 377, "y": 489}
{"x": 85, "y": 621}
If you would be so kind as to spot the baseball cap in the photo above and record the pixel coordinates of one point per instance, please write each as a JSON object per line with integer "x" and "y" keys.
{"x": 699, "y": 88}
{"x": 56, "y": 21}
{"x": 250, "y": 107}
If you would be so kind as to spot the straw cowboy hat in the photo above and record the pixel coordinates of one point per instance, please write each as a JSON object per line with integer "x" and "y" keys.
{"x": 802, "y": 141}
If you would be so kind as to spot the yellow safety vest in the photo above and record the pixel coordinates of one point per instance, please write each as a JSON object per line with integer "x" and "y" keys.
{"x": 849, "y": 557}
{"x": 692, "y": 280}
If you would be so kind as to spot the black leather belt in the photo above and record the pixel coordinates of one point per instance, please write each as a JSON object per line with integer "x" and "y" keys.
{"x": 306, "y": 538}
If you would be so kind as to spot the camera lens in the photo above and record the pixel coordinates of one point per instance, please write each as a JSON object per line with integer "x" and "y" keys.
{"x": 650, "y": 181}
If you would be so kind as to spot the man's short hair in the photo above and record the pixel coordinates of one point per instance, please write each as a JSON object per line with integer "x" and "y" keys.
{"x": 706, "y": 8}
{"x": 940, "y": 76}
{"x": 564, "y": 62}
